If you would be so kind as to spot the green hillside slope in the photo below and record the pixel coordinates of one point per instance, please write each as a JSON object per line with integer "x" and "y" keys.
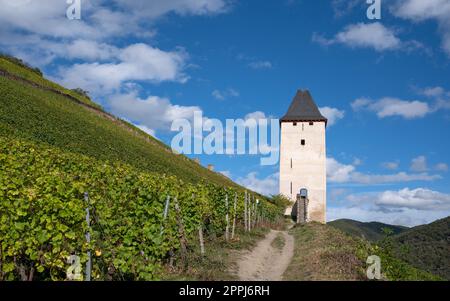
{"x": 36, "y": 109}
{"x": 426, "y": 247}
{"x": 42, "y": 215}
{"x": 372, "y": 231}
{"x": 323, "y": 252}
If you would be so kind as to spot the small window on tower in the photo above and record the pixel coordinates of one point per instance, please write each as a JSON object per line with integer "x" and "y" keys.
{"x": 295, "y": 123}
{"x": 303, "y": 142}
{"x": 311, "y": 123}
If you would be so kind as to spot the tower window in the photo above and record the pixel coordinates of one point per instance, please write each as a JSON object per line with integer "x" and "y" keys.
{"x": 291, "y": 187}
{"x": 311, "y": 123}
{"x": 291, "y": 162}
{"x": 295, "y": 123}
{"x": 303, "y": 142}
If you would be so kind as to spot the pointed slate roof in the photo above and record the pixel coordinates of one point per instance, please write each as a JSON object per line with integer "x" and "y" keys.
{"x": 303, "y": 108}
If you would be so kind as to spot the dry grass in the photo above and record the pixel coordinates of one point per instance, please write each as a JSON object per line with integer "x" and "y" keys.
{"x": 278, "y": 242}
{"x": 324, "y": 253}
{"x": 219, "y": 262}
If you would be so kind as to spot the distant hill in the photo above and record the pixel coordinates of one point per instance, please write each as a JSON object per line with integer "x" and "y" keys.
{"x": 426, "y": 247}
{"x": 322, "y": 252}
{"x": 372, "y": 231}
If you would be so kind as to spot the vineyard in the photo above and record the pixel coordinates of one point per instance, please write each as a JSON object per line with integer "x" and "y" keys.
{"x": 73, "y": 127}
{"x": 132, "y": 234}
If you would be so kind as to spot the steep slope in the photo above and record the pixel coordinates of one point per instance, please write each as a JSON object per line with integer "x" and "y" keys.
{"x": 372, "y": 231}
{"x": 426, "y": 247}
{"x": 322, "y": 252}
{"x": 36, "y": 109}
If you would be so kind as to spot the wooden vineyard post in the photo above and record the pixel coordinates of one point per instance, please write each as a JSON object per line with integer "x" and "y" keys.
{"x": 254, "y": 213}
{"x": 88, "y": 238}
{"x": 182, "y": 236}
{"x": 202, "y": 242}
{"x": 166, "y": 212}
{"x": 227, "y": 218}
{"x": 234, "y": 217}
{"x": 249, "y": 213}
{"x": 245, "y": 211}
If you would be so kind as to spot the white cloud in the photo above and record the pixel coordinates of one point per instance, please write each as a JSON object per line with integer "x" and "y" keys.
{"x": 336, "y": 193}
{"x": 441, "y": 167}
{"x": 409, "y": 207}
{"x": 343, "y": 7}
{"x": 332, "y": 114}
{"x": 421, "y": 10}
{"x": 357, "y": 161}
{"x": 222, "y": 95}
{"x": 265, "y": 186}
{"x": 39, "y": 31}
{"x": 391, "y": 165}
{"x": 90, "y": 50}
{"x": 155, "y": 9}
{"x": 153, "y": 112}
{"x": 372, "y": 35}
{"x": 420, "y": 198}
{"x": 146, "y": 129}
{"x": 433, "y": 91}
{"x": 346, "y": 173}
{"x": 260, "y": 65}
{"x": 419, "y": 164}
{"x": 98, "y": 19}
{"x": 257, "y": 115}
{"x": 389, "y": 106}
{"x": 405, "y": 217}
{"x": 226, "y": 173}
{"x": 338, "y": 172}
{"x": 138, "y": 62}
{"x": 371, "y": 179}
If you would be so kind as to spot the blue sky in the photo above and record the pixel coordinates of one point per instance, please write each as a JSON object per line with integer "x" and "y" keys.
{"x": 385, "y": 82}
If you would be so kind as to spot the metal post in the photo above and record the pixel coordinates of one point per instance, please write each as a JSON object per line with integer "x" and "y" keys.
{"x": 88, "y": 239}
{"x": 234, "y": 219}
{"x": 249, "y": 219}
{"x": 227, "y": 230}
{"x": 245, "y": 211}
{"x": 166, "y": 212}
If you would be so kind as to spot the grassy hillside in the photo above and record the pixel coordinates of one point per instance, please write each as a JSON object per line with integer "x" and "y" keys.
{"x": 20, "y": 70}
{"x": 323, "y": 252}
{"x": 38, "y": 110}
{"x": 42, "y": 215}
{"x": 372, "y": 231}
{"x": 426, "y": 247}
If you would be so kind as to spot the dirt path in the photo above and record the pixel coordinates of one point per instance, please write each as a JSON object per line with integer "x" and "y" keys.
{"x": 266, "y": 262}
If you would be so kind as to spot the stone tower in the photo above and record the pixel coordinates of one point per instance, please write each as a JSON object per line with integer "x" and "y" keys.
{"x": 303, "y": 155}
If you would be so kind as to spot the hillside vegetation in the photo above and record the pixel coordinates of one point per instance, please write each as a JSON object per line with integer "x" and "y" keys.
{"x": 372, "y": 231}
{"x": 426, "y": 247}
{"x": 42, "y": 215}
{"x": 36, "y": 109}
{"x": 56, "y": 145}
{"x": 323, "y": 252}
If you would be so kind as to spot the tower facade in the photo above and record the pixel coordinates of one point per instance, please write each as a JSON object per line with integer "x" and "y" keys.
{"x": 303, "y": 155}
